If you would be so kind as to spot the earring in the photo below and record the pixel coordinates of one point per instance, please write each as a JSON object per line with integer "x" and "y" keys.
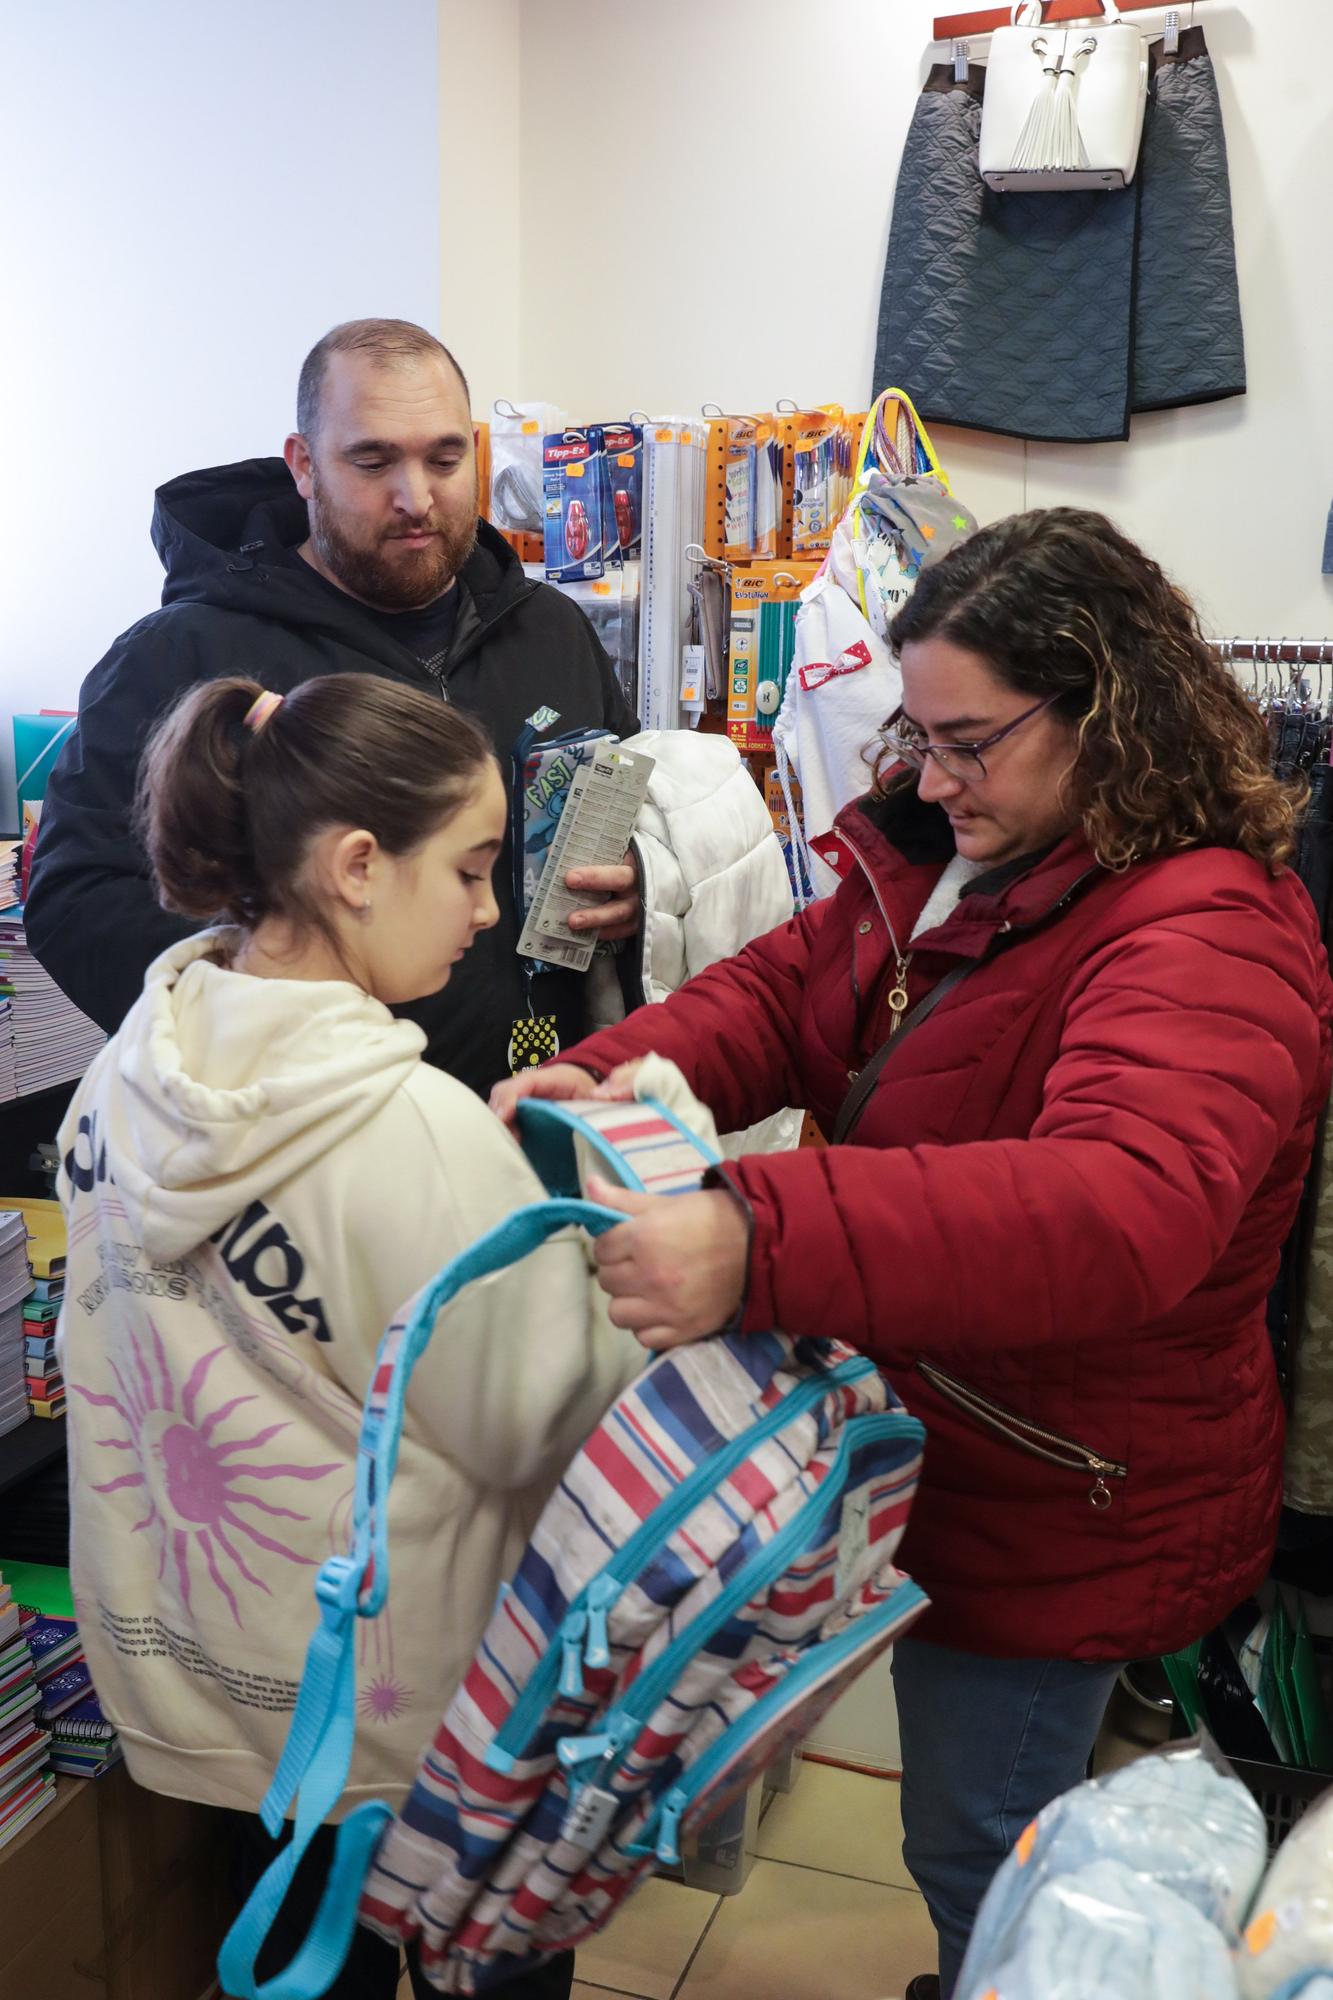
{"x": 365, "y": 909}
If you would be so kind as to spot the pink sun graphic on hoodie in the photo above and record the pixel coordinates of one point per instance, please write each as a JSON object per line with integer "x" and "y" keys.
{"x": 192, "y": 1479}
{"x": 384, "y": 1700}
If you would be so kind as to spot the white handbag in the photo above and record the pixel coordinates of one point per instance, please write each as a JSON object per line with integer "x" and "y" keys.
{"x": 1063, "y": 107}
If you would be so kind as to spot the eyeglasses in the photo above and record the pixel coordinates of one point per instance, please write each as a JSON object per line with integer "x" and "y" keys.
{"x": 960, "y": 760}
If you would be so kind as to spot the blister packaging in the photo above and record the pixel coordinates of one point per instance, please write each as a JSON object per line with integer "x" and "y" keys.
{"x": 1178, "y": 1824}
{"x": 1290, "y": 1933}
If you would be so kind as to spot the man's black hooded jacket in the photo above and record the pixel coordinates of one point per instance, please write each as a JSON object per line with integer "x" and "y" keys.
{"x": 234, "y": 604}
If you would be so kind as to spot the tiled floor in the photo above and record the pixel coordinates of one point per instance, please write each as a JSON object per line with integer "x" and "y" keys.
{"x": 828, "y": 1913}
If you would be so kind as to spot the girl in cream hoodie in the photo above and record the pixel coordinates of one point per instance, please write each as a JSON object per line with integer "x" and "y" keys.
{"x": 257, "y": 1171}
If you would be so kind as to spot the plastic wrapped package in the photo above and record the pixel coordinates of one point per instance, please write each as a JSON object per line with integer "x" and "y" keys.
{"x": 1106, "y": 1933}
{"x": 611, "y": 605}
{"x": 1289, "y": 1938}
{"x": 517, "y": 431}
{"x": 1235, "y": 1715}
{"x": 1177, "y": 1821}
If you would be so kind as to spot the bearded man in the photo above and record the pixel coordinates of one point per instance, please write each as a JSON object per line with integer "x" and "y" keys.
{"x": 359, "y": 550}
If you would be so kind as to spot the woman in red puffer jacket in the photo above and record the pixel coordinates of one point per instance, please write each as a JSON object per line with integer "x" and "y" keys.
{"x": 1057, "y": 1194}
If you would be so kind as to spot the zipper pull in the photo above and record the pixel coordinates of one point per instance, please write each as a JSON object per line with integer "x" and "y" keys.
{"x": 602, "y": 1595}
{"x": 897, "y": 996}
{"x": 576, "y": 1751}
{"x": 1100, "y": 1495}
{"x": 571, "y": 1659}
{"x": 668, "y": 1828}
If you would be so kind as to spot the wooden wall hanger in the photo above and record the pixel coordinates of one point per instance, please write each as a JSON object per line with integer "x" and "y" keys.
{"x": 981, "y": 20}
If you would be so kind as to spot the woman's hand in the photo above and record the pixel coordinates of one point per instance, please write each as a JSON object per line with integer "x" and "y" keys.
{"x": 561, "y": 1081}
{"x": 675, "y": 1270}
{"x": 618, "y": 1087}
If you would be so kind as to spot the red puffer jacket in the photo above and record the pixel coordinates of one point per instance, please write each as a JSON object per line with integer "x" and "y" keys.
{"x": 1060, "y": 1215}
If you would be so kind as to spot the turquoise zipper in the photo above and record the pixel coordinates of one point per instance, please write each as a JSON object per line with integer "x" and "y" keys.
{"x": 663, "y": 1833}
{"x": 582, "y": 1635}
{"x": 624, "y": 1723}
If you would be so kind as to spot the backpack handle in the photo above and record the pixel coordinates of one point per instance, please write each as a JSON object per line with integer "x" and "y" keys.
{"x": 318, "y": 1752}
{"x": 638, "y": 1143}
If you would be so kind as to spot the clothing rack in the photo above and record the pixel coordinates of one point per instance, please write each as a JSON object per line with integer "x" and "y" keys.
{"x": 983, "y": 19}
{"x": 1280, "y": 669}
{"x": 1293, "y": 652}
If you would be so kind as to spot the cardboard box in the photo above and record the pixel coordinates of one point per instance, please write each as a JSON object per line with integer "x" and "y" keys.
{"x": 114, "y": 1893}
{"x": 51, "y": 1939}
{"x": 166, "y": 1899}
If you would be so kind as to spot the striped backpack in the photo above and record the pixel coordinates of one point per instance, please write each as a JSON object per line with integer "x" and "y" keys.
{"x": 713, "y": 1570}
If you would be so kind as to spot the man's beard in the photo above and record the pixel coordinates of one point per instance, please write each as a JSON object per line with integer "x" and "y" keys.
{"x": 391, "y": 579}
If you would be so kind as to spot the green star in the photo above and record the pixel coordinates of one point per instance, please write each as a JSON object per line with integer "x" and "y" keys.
{"x": 960, "y": 522}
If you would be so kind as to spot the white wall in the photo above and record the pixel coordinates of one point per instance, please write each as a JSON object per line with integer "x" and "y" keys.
{"x": 768, "y": 132}
{"x": 193, "y": 194}
{"x": 862, "y": 1727}
{"x": 481, "y": 192}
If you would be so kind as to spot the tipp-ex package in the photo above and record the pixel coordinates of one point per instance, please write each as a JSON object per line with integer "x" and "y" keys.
{"x": 624, "y": 478}
{"x": 578, "y": 512}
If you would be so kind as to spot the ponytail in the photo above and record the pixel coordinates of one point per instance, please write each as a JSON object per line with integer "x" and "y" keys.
{"x": 233, "y": 787}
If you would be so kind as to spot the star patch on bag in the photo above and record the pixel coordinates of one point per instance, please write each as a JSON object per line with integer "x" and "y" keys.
{"x": 534, "y": 1040}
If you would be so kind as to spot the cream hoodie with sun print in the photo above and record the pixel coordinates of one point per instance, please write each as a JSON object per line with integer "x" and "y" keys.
{"x": 257, "y": 1173}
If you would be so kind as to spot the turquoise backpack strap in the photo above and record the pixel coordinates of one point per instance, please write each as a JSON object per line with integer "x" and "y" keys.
{"x": 318, "y": 1753}
{"x": 641, "y": 1146}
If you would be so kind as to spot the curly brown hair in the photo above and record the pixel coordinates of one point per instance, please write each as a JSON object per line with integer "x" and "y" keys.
{"x": 1171, "y": 752}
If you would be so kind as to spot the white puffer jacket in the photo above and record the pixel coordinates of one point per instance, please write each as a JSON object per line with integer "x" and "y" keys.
{"x": 712, "y": 876}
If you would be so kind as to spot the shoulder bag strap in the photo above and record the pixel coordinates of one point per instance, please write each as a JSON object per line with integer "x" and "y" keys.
{"x": 861, "y": 1091}
{"x": 855, "y": 1101}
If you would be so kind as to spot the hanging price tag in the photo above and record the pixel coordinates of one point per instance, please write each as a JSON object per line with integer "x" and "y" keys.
{"x": 693, "y": 664}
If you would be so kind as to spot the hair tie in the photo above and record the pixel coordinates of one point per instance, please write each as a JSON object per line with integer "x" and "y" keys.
{"x": 261, "y": 710}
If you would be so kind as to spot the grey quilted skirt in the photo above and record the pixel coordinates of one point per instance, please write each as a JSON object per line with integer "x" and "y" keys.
{"x": 1055, "y": 315}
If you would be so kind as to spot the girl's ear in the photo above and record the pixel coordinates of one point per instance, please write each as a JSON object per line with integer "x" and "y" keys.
{"x": 348, "y": 865}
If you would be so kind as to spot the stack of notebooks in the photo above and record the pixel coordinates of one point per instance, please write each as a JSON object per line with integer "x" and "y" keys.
{"x": 57, "y": 1656}
{"x": 15, "y": 1284}
{"x": 52, "y": 1041}
{"x": 83, "y": 1743}
{"x": 26, "y": 1783}
{"x": 11, "y": 852}
{"x": 9, "y": 1085}
{"x": 45, "y": 1225}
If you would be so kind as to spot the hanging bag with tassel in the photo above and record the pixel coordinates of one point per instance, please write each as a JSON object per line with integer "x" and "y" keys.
{"x": 1063, "y": 107}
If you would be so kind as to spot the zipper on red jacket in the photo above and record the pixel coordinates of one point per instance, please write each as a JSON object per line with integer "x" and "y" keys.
{"x": 896, "y": 999}
{"x": 1029, "y": 1437}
